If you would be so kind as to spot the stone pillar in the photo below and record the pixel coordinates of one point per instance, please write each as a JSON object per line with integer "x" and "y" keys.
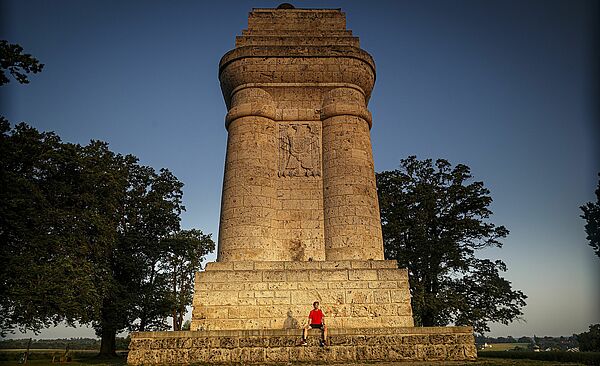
{"x": 351, "y": 209}
{"x": 247, "y": 207}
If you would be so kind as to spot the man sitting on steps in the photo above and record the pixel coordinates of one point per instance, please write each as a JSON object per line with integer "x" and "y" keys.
{"x": 315, "y": 320}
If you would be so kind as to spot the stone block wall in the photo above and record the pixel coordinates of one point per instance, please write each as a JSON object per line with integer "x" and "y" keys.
{"x": 283, "y": 346}
{"x": 279, "y": 295}
{"x": 267, "y": 27}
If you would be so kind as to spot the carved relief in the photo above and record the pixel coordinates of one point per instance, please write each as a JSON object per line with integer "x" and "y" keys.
{"x": 299, "y": 150}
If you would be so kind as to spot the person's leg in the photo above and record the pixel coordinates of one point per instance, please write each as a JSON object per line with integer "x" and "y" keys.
{"x": 305, "y": 332}
{"x": 325, "y": 333}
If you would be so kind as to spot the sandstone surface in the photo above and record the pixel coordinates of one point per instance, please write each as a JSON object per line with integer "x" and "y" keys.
{"x": 299, "y": 213}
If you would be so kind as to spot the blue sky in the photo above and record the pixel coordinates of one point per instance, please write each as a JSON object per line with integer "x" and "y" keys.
{"x": 509, "y": 88}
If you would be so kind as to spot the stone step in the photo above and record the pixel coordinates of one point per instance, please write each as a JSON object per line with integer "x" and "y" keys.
{"x": 280, "y": 346}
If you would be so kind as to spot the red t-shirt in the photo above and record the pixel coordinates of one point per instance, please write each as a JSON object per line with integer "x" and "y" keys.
{"x": 316, "y": 316}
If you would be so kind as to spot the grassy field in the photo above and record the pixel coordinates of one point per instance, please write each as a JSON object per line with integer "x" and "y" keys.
{"x": 507, "y": 362}
{"x": 504, "y": 346}
{"x": 115, "y": 362}
{"x": 480, "y": 362}
{"x": 44, "y": 358}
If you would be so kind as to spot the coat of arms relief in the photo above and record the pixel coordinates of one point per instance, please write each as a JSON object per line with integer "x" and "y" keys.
{"x": 299, "y": 150}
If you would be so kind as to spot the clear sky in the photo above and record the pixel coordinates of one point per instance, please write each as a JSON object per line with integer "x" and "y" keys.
{"x": 509, "y": 88}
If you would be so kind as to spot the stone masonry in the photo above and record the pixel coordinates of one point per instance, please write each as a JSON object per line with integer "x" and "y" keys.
{"x": 299, "y": 212}
{"x": 280, "y": 346}
{"x": 299, "y": 181}
{"x": 277, "y": 295}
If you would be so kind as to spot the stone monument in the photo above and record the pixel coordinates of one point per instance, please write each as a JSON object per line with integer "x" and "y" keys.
{"x": 299, "y": 212}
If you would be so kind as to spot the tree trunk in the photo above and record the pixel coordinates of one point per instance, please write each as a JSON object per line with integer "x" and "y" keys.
{"x": 175, "y": 295}
{"x": 174, "y": 315}
{"x": 428, "y": 318}
{"x": 108, "y": 345}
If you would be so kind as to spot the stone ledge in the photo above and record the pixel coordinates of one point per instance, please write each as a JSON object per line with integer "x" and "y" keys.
{"x": 287, "y": 265}
{"x": 297, "y": 51}
{"x": 288, "y": 332}
{"x": 276, "y": 346}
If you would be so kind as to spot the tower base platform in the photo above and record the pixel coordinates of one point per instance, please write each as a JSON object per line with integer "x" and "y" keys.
{"x": 263, "y": 295}
{"x": 284, "y": 345}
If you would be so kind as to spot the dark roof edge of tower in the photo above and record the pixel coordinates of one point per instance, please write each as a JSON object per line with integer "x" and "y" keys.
{"x": 298, "y": 9}
{"x": 286, "y": 6}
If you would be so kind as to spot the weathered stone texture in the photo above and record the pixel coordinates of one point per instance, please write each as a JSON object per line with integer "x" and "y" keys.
{"x": 282, "y": 346}
{"x": 299, "y": 182}
{"x": 299, "y": 214}
{"x": 278, "y": 295}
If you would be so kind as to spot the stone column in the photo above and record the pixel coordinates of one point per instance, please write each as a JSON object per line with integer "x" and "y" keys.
{"x": 351, "y": 210}
{"x": 249, "y": 195}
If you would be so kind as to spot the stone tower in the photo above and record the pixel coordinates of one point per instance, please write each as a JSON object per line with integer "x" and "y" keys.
{"x": 299, "y": 182}
{"x": 299, "y": 212}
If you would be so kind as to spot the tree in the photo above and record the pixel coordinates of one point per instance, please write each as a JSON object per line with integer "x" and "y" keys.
{"x": 90, "y": 236}
{"x": 590, "y": 341}
{"x": 187, "y": 250}
{"x": 148, "y": 213}
{"x": 51, "y": 224}
{"x": 56, "y": 221}
{"x": 18, "y": 64}
{"x": 591, "y": 214}
{"x": 433, "y": 221}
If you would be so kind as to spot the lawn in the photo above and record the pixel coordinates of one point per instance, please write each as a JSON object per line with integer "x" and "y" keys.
{"x": 504, "y": 346}
{"x": 482, "y": 361}
{"x": 44, "y": 357}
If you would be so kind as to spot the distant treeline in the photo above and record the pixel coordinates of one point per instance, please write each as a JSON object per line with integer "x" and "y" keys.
{"x": 72, "y": 343}
{"x": 552, "y": 343}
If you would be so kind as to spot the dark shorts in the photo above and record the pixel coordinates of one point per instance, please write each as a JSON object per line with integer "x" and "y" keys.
{"x": 319, "y": 326}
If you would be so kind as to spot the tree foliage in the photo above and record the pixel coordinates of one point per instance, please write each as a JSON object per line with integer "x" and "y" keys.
{"x": 90, "y": 236}
{"x": 591, "y": 214}
{"x": 187, "y": 250}
{"x": 17, "y": 63}
{"x": 590, "y": 341}
{"x": 54, "y": 228}
{"x": 434, "y": 220}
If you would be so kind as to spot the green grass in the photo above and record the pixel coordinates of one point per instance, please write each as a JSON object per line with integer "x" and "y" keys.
{"x": 41, "y": 357}
{"x": 115, "y": 362}
{"x": 81, "y": 358}
{"x": 479, "y": 362}
{"x": 521, "y": 362}
{"x": 504, "y": 346}
{"x": 587, "y": 358}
